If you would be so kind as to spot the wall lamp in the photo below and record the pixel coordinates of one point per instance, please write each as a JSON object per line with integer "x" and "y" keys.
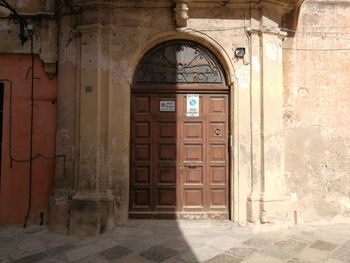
{"x": 240, "y": 52}
{"x": 8, "y": 11}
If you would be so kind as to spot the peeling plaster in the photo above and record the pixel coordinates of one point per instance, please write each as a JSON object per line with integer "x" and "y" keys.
{"x": 121, "y": 72}
{"x": 104, "y": 62}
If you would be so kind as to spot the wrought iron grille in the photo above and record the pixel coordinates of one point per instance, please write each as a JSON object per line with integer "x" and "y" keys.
{"x": 179, "y": 62}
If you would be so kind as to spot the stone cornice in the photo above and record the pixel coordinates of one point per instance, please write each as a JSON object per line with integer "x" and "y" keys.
{"x": 283, "y": 6}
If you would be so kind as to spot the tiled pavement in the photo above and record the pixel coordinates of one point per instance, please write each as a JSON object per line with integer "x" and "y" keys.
{"x": 182, "y": 241}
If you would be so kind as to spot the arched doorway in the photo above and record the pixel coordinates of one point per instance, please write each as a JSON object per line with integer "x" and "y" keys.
{"x": 179, "y": 163}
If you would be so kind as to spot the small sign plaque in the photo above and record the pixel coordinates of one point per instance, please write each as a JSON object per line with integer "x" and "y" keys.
{"x": 167, "y": 105}
{"x": 192, "y": 105}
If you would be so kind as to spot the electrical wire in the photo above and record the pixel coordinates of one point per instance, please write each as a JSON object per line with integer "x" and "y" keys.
{"x": 275, "y": 31}
{"x": 13, "y": 159}
{"x": 31, "y": 130}
{"x": 220, "y": 29}
{"x": 37, "y": 156}
{"x": 317, "y": 50}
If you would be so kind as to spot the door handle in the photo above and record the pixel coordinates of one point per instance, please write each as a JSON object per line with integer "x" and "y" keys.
{"x": 192, "y": 165}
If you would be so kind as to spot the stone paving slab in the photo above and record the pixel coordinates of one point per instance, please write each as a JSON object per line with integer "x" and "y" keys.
{"x": 169, "y": 241}
{"x": 158, "y": 253}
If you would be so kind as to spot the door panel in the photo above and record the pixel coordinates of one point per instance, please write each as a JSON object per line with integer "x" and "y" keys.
{"x": 218, "y": 154}
{"x": 179, "y": 164}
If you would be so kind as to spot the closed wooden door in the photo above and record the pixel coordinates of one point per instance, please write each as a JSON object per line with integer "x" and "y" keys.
{"x": 179, "y": 163}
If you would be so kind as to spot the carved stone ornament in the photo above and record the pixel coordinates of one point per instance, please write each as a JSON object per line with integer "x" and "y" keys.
{"x": 181, "y": 14}
{"x": 179, "y": 61}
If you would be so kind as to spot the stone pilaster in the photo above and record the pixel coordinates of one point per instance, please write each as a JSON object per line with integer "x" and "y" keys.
{"x": 268, "y": 200}
{"x": 92, "y": 204}
{"x": 254, "y": 205}
{"x": 274, "y": 201}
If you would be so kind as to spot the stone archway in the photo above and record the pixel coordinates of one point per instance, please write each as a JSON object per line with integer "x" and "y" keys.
{"x": 179, "y": 165}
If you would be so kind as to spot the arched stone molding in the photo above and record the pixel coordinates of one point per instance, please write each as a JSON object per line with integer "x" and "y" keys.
{"x": 237, "y": 197}
{"x": 220, "y": 53}
{"x": 237, "y": 213}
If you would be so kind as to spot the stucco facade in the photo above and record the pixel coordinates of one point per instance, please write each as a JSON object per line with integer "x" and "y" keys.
{"x": 316, "y": 107}
{"x": 287, "y": 105}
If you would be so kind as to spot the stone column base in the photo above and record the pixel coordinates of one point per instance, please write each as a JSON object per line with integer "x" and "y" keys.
{"x": 58, "y": 215}
{"x": 91, "y": 214}
{"x": 253, "y": 208}
{"x": 275, "y": 209}
{"x": 268, "y": 209}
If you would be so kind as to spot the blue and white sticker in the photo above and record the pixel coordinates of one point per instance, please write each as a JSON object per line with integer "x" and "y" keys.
{"x": 192, "y": 105}
{"x": 167, "y": 105}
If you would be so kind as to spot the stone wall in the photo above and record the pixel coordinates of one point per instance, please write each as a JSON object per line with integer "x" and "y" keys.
{"x": 100, "y": 48}
{"x": 316, "y": 111}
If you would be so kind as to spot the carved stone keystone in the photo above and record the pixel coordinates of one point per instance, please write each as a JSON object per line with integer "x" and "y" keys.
{"x": 181, "y": 14}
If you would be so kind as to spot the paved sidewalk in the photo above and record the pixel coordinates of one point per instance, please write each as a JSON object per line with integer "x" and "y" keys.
{"x": 182, "y": 241}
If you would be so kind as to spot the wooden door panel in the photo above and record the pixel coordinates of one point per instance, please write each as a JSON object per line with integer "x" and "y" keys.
{"x": 218, "y": 105}
{"x": 166, "y": 197}
{"x": 179, "y": 163}
{"x": 217, "y": 153}
{"x": 193, "y": 152}
{"x": 141, "y": 175}
{"x": 217, "y": 176}
{"x": 167, "y": 152}
{"x": 142, "y": 104}
{"x": 141, "y": 198}
{"x": 193, "y": 198}
{"x": 193, "y": 176}
{"x": 142, "y": 130}
{"x": 167, "y": 130}
{"x": 166, "y": 175}
{"x": 165, "y": 155}
{"x": 217, "y": 198}
{"x": 142, "y": 152}
{"x": 141, "y": 137}
{"x": 193, "y": 130}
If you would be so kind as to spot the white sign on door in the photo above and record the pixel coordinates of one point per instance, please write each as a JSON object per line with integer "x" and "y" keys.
{"x": 192, "y": 105}
{"x": 167, "y": 105}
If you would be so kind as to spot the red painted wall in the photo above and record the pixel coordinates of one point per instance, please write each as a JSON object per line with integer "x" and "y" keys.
{"x": 14, "y": 188}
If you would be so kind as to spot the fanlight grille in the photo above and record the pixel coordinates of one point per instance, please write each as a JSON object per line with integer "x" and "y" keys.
{"x": 179, "y": 62}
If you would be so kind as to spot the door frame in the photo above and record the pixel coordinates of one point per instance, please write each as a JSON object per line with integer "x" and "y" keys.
{"x": 185, "y": 89}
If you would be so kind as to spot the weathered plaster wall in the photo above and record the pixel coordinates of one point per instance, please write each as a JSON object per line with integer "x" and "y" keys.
{"x": 15, "y": 65}
{"x": 316, "y": 111}
{"x": 15, "y": 182}
{"x": 41, "y": 16}
{"x": 99, "y": 51}
{"x": 97, "y": 58}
